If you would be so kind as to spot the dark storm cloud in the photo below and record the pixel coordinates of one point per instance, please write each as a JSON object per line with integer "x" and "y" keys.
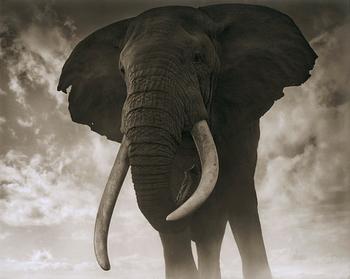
{"x": 312, "y": 16}
{"x": 31, "y": 55}
{"x": 38, "y": 139}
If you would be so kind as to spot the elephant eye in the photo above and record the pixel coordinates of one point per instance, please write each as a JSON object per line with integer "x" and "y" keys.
{"x": 198, "y": 57}
{"x": 122, "y": 70}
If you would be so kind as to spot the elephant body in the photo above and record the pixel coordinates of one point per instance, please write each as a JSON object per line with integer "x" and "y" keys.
{"x": 185, "y": 102}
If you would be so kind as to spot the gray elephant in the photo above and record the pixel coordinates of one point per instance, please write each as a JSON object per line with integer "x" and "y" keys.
{"x": 185, "y": 104}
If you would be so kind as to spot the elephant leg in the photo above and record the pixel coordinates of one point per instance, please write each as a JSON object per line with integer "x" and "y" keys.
{"x": 245, "y": 225}
{"x": 179, "y": 261}
{"x": 208, "y": 229}
{"x": 208, "y": 250}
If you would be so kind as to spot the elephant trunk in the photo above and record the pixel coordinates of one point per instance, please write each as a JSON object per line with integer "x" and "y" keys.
{"x": 150, "y": 174}
{"x": 160, "y": 105}
{"x": 153, "y": 124}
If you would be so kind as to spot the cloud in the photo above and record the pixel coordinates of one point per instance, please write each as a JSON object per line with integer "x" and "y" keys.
{"x": 41, "y": 256}
{"x": 34, "y": 58}
{"x": 42, "y": 190}
{"x": 304, "y": 150}
{"x": 33, "y": 50}
{"x": 2, "y": 121}
{"x": 49, "y": 166}
{"x": 81, "y": 235}
{"x": 4, "y": 235}
{"x": 26, "y": 122}
{"x": 18, "y": 90}
{"x": 41, "y": 260}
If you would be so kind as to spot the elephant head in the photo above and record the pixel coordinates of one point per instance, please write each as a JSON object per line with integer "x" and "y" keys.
{"x": 152, "y": 80}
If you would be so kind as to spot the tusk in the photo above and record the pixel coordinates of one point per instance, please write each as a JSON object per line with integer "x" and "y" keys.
{"x": 210, "y": 170}
{"x": 107, "y": 203}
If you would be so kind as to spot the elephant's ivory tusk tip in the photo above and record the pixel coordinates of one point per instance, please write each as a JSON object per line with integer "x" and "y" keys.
{"x": 102, "y": 257}
{"x": 181, "y": 212}
{"x": 171, "y": 217}
{"x": 107, "y": 203}
{"x": 105, "y": 267}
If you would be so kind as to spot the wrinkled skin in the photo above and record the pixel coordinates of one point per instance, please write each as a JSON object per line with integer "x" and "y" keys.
{"x": 178, "y": 66}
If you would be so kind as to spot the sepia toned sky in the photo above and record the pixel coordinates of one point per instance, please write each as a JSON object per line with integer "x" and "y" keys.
{"x": 53, "y": 171}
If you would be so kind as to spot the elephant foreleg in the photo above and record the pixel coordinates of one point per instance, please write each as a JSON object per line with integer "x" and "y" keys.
{"x": 179, "y": 262}
{"x": 208, "y": 251}
{"x": 208, "y": 231}
{"x": 247, "y": 232}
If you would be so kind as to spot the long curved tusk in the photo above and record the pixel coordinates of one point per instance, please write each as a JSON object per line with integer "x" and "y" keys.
{"x": 107, "y": 203}
{"x": 210, "y": 169}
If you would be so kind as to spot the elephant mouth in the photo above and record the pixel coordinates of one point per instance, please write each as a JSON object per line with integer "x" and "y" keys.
{"x": 206, "y": 149}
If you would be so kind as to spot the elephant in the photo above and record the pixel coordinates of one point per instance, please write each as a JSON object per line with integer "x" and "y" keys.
{"x": 183, "y": 90}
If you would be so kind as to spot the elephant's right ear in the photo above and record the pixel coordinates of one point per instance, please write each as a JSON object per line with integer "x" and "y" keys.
{"x": 98, "y": 91}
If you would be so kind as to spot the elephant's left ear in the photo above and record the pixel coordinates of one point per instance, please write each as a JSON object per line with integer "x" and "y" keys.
{"x": 98, "y": 91}
{"x": 261, "y": 51}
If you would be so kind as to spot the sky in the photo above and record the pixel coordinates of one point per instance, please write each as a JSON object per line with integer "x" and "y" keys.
{"x": 53, "y": 171}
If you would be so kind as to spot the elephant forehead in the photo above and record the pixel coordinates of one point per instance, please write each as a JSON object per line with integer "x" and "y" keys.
{"x": 171, "y": 12}
{"x": 171, "y": 18}
{"x": 161, "y": 29}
